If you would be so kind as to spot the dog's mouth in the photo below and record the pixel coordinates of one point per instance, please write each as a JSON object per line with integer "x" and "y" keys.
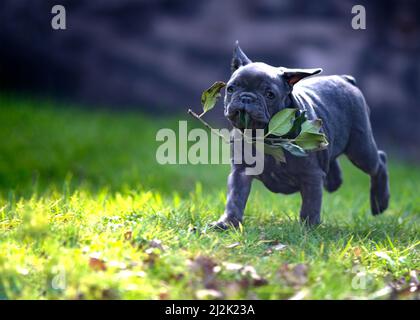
{"x": 243, "y": 120}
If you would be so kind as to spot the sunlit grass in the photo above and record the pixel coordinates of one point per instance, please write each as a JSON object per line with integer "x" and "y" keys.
{"x": 83, "y": 203}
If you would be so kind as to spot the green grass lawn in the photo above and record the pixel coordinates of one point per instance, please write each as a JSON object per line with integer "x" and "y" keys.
{"x": 87, "y": 213}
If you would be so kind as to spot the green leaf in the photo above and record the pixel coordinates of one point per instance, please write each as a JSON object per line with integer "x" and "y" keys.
{"x": 275, "y": 151}
{"x": 211, "y": 95}
{"x": 244, "y": 119}
{"x": 294, "y": 149}
{"x": 312, "y": 126}
{"x": 311, "y": 141}
{"x": 297, "y": 126}
{"x": 281, "y": 122}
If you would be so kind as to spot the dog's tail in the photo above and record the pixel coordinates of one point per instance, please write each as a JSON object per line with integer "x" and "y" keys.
{"x": 349, "y": 79}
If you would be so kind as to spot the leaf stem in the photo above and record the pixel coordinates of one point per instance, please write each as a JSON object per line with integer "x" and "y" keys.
{"x": 192, "y": 113}
{"x": 248, "y": 139}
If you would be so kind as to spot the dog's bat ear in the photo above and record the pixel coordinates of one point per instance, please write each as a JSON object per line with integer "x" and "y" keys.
{"x": 294, "y": 75}
{"x": 239, "y": 58}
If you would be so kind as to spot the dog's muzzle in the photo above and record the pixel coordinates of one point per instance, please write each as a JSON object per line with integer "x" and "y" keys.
{"x": 247, "y": 111}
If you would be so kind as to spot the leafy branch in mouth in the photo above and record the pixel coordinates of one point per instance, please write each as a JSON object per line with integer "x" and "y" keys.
{"x": 289, "y": 129}
{"x": 198, "y": 117}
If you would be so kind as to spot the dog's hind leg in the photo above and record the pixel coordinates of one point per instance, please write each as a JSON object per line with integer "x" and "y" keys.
{"x": 334, "y": 179}
{"x": 363, "y": 153}
{"x": 379, "y": 181}
{"x": 379, "y": 186}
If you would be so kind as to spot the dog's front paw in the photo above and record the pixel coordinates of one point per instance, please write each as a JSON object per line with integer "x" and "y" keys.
{"x": 218, "y": 225}
{"x": 225, "y": 223}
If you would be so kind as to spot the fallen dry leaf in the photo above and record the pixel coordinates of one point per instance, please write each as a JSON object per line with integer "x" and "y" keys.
{"x": 233, "y": 245}
{"x": 203, "y": 263}
{"x": 97, "y": 264}
{"x": 152, "y": 256}
{"x": 249, "y": 276}
{"x": 275, "y": 247}
{"x": 249, "y": 271}
{"x": 406, "y": 289}
{"x": 208, "y": 294}
{"x": 164, "y": 295}
{"x": 414, "y": 281}
{"x": 110, "y": 294}
{"x": 208, "y": 269}
{"x": 232, "y": 266}
{"x": 381, "y": 293}
{"x": 294, "y": 275}
{"x": 128, "y": 235}
{"x": 155, "y": 243}
{"x": 205, "y": 267}
{"x": 279, "y": 247}
{"x": 300, "y": 295}
{"x": 256, "y": 279}
{"x": 357, "y": 251}
{"x": 401, "y": 288}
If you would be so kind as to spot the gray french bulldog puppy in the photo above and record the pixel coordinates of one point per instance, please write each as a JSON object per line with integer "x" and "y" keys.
{"x": 261, "y": 91}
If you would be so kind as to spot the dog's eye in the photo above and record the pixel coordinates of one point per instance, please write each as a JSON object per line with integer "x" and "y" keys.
{"x": 230, "y": 89}
{"x": 270, "y": 94}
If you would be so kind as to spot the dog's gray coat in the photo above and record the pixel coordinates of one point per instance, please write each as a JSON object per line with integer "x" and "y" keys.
{"x": 261, "y": 91}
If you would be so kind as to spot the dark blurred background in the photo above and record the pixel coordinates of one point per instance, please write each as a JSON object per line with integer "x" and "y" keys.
{"x": 158, "y": 55}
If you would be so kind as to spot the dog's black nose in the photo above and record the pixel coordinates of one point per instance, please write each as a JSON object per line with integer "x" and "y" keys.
{"x": 247, "y": 98}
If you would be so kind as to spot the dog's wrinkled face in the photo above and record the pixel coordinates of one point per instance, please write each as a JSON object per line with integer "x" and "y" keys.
{"x": 256, "y": 91}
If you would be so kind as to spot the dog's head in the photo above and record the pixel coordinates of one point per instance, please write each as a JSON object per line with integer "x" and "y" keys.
{"x": 258, "y": 90}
